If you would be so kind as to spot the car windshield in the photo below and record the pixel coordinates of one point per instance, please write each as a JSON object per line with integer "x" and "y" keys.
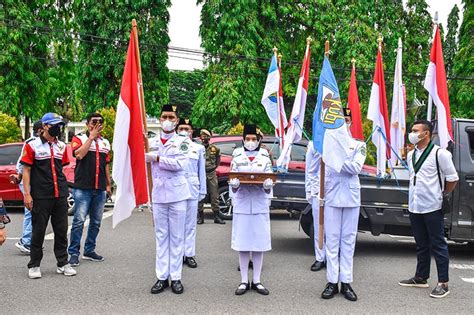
{"x": 9, "y": 154}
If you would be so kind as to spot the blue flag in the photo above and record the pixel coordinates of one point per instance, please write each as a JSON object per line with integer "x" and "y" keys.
{"x": 330, "y": 135}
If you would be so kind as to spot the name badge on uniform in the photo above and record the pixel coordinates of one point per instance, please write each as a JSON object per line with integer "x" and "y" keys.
{"x": 243, "y": 164}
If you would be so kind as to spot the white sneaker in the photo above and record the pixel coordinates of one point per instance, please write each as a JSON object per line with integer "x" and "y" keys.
{"x": 34, "y": 273}
{"x": 67, "y": 270}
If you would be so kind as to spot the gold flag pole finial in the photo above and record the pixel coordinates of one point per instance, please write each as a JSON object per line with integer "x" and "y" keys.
{"x": 380, "y": 40}
{"x": 326, "y": 49}
{"x": 309, "y": 40}
{"x": 275, "y": 50}
{"x": 353, "y": 61}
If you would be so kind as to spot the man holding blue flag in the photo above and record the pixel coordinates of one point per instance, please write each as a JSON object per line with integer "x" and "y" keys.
{"x": 344, "y": 158}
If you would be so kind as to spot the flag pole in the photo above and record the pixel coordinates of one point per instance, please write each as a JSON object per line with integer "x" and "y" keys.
{"x": 275, "y": 52}
{"x": 322, "y": 176}
{"x": 430, "y": 99}
{"x": 280, "y": 121}
{"x": 142, "y": 106}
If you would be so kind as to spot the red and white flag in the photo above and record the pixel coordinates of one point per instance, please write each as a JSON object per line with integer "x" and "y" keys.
{"x": 378, "y": 113}
{"x": 129, "y": 168}
{"x": 397, "y": 119}
{"x": 354, "y": 105}
{"x": 295, "y": 124}
{"x": 436, "y": 85}
{"x": 282, "y": 120}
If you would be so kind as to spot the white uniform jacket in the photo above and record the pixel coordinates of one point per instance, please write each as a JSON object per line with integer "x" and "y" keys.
{"x": 312, "y": 171}
{"x": 341, "y": 189}
{"x": 250, "y": 199}
{"x": 195, "y": 170}
{"x": 169, "y": 180}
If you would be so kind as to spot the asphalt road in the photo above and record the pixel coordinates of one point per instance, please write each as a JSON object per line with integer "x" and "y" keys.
{"x": 122, "y": 282}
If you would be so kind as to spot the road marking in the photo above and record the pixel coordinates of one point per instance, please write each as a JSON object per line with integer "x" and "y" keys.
{"x": 468, "y": 280}
{"x": 13, "y": 238}
{"x": 461, "y": 266}
{"x": 106, "y": 215}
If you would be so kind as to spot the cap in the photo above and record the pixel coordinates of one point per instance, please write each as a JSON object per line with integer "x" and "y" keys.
{"x": 206, "y": 132}
{"x": 347, "y": 112}
{"x": 52, "y": 119}
{"x": 169, "y": 108}
{"x": 183, "y": 121}
{"x": 250, "y": 130}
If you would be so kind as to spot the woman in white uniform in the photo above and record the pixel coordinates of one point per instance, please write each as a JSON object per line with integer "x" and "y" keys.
{"x": 251, "y": 214}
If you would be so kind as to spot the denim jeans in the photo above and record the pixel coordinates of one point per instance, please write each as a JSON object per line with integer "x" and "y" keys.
{"x": 87, "y": 202}
{"x": 27, "y": 228}
{"x": 428, "y": 230}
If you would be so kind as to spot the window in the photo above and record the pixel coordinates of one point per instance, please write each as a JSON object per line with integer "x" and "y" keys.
{"x": 298, "y": 153}
{"x": 470, "y": 136}
{"x": 9, "y": 154}
{"x": 227, "y": 147}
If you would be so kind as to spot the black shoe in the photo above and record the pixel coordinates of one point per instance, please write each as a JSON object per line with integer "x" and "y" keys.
{"x": 440, "y": 291}
{"x": 190, "y": 261}
{"x": 177, "y": 286}
{"x": 414, "y": 282}
{"x": 318, "y": 265}
{"x": 347, "y": 291}
{"x": 260, "y": 288}
{"x": 200, "y": 219}
{"x": 218, "y": 220}
{"x": 241, "y": 291}
{"x": 330, "y": 290}
{"x": 159, "y": 286}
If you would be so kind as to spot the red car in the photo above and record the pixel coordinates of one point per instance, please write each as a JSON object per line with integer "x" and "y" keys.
{"x": 10, "y": 193}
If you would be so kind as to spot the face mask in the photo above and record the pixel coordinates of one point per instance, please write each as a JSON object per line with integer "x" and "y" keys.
{"x": 167, "y": 125}
{"x": 251, "y": 145}
{"x": 54, "y": 131}
{"x": 413, "y": 137}
{"x": 184, "y": 133}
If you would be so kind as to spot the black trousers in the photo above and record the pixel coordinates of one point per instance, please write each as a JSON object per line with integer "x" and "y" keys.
{"x": 428, "y": 230}
{"x": 43, "y": 209}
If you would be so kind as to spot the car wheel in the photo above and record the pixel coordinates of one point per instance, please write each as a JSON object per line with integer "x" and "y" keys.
{"x": 70, "y": 204}
{"x": 225, "y": 204}
{"x": 307, "y": 222}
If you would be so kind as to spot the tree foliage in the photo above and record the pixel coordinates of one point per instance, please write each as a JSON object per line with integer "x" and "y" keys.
{"x": 184, "y": 86}
{"x": 450, "y": 43}
{"x": 9, "y": 130}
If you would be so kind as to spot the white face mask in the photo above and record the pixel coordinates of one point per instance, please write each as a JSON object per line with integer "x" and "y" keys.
{"x": 250, "y": 145}
{"x": 167, "y": 125}
{"x": 413, "y": 137}
{"x": 184, "y": 133}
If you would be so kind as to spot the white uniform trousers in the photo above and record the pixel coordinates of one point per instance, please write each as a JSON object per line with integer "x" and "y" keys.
{"x": 319, "y": 253}
{"x": 341, "y": 233}
{"x": 190, "y": 230}
{"x": 170, "y": 219}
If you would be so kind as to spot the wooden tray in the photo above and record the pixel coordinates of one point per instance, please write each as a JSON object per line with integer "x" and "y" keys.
{"x": 252, "y": 178}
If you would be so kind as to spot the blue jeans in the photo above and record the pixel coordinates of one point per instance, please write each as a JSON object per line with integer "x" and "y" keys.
{"x": 88, "y": 202}
{"x": 27, "y": 228}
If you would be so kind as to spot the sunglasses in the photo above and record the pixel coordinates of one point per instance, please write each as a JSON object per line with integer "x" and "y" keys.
{"x": 97, "y": 121}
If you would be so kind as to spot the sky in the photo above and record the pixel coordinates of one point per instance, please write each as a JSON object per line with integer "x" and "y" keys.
{"x": 185, "y": 20}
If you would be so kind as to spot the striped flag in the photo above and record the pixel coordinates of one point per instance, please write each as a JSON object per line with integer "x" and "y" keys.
{"x": 295, "y": 124}
{"x": 378, "y": 113}
{"x": 435, "y": 84}
{"x": 397, "y": 119}
{"x": 129, "y": 168}
{"x": 282, "y": 121}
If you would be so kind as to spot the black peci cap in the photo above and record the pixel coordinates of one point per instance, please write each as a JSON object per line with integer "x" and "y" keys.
{"x": 347, "y": 112}
{"x": 169, "y": 108}
{"x": 183, "y": 121}
{"x": 250, "y": 130}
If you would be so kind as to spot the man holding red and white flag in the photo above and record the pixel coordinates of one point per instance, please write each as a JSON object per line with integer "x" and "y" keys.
{"x": 129, "y": 168}
{"x": 354, "y": 106}
{"x": 397, "y": 120}
{"x": 436, "y": 85}
{"x": 296, "y": 122}
{"x": 378, "y": 113}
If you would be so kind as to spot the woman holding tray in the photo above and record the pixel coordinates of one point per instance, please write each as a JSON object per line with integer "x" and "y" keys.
{"x": 251, "y": 214}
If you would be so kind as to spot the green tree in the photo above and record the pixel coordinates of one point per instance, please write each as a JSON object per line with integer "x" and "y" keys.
{"x": 105, "y": 27}
{"x": 462, "y": 92}
{"x": 9, "y": 131}
{"x": 450, "y": 43}
{"x": 184, "y": 87}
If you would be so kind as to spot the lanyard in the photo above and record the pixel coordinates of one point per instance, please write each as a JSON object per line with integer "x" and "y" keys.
{"x": 417, "y": 165}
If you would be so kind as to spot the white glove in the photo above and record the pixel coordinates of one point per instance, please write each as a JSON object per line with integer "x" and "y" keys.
{"x": 202, "y": 196}
{"x": 321, "y": 201}
{"x": 234, "y": 183}
{"x": 151, "y": 157}
{"x": 267, "y": 184}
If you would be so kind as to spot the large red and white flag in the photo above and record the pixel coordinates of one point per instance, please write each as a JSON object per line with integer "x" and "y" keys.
{"x": 295, "y": 124}
{"x": 436, "y": 85}
{"x": 282, "y": 120}
{"x": 397, "y": 119}
{"x": 378, "y": 113}
{"x": 354, "y": 105}
{"x": 129, "y": 168}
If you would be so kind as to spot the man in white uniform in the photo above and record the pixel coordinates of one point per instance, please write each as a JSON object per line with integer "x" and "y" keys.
{"x": 170, "y": 191}
{"x": 196, "y": 176}
{"x": 432, "y": 177}
{"x": 341, "y": 218}
{"x": 312, "y": 195}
